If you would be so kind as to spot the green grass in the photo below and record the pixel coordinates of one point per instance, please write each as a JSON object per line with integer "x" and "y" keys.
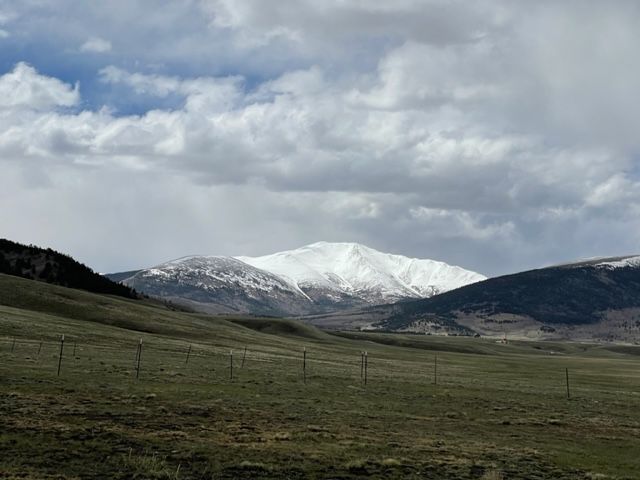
{"x": 498, "y": 411}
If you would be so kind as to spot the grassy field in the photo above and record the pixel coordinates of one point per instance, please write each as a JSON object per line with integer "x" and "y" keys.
{"x": 497, "y": 411}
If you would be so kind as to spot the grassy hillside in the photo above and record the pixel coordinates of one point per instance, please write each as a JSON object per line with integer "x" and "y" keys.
{"x": 497, "y": 411}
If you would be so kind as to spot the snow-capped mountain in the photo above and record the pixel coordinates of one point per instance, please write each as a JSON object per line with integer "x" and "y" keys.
{"x": 318, "y": 278}
{"x": 220, "y": 285}
{"x": 327, "y": 271}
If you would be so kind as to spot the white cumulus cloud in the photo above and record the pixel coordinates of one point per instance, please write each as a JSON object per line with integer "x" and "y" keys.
{"x": 25, "y": 88}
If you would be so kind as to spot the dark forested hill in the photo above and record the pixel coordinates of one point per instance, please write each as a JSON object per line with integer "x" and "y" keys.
{"x": 47, "y": 265}
{"x": 589, "y": 300}
{"x": 569, "y": 294}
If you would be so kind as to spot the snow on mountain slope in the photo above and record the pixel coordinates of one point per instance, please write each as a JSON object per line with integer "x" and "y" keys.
{"x": 228, "y": 283}
{"x": 603, "y": 262}
{"x": 621, "y": 262}
{"x": 351, "y": 269}
{"x": 207, "y": 270}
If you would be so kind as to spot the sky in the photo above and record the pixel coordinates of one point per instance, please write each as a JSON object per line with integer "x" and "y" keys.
{"x": 495, "y": 135}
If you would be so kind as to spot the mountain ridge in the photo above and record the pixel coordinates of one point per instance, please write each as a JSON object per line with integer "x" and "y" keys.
{"x": 317, "y": 278}
{"x": 598, "y": 299}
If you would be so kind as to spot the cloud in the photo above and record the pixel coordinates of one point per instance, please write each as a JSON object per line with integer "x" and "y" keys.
{"x": 310, "y": 22}
{"x": 494, "y": 137}
{"x": 96, "y": 45}
{"x": 24, "y": 88}
{"x": 296, "y": 134}
{"x": 210, "y": 94}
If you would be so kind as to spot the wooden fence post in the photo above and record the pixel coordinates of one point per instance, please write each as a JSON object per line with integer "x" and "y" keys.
{"x": 188, "y": 353}
{"x": 366, "y": 365}
{"x": 244, "y": 354}
{"x": 230, "y": 364}
{"x": 304, "y": 365}
{"x": 60, "y": 357}
{"x": 566, "y": 372}
{"x": 138, "y": 359}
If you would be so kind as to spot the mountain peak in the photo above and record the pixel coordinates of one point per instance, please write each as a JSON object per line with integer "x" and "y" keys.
{"x": 353, "y": 268}
{"x": 333, "y": 247}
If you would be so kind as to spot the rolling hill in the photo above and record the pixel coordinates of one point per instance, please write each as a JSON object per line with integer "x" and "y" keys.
{"x": 593, "y": 300}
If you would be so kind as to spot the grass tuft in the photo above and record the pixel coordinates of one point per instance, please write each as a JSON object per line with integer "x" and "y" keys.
{"x": 152, "y": 466}
{"x": 493, "y": 475}
{"x": 249, "y": 465}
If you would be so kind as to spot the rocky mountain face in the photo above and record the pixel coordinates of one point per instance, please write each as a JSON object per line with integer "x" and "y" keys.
{"x": 590, "y": 300}
{"x": 219, "y": 285}
{"x": 319, "y": 278}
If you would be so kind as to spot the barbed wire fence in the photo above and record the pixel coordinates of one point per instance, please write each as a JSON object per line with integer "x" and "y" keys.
{"x": 183, "y": 361}
{"x": 144, "y": 357}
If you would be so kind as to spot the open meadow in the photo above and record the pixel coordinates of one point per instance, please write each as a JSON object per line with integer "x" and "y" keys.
{"x": 495, "y": 411}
